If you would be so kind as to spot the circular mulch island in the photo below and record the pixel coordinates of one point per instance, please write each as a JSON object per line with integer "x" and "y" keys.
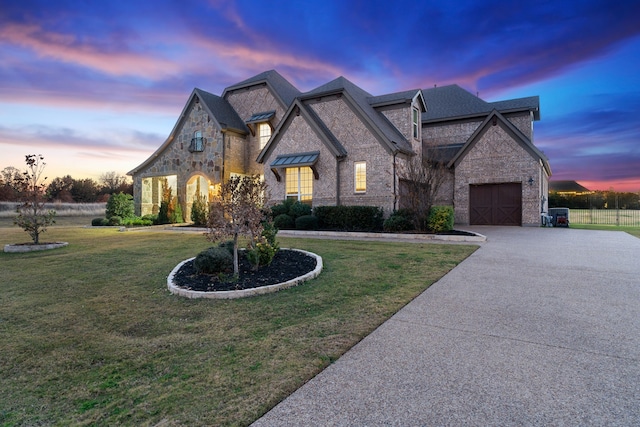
{"x": 289, "y": 267}
{"x": 30, "y": 247}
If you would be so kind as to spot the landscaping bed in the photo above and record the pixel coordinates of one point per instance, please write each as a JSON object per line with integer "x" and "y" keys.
{"x": 286, "y": 265}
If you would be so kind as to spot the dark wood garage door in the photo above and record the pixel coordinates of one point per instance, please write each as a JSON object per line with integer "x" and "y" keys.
{"x": 495, "y": 204}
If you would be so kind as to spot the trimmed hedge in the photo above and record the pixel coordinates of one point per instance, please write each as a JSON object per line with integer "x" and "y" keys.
{"x": 307, "y": 222}
{"x": 399, "y": 221}
{"x": 441, "y": 218}
{"x": 349, "y": 218}
{"x": 284, "y": 222}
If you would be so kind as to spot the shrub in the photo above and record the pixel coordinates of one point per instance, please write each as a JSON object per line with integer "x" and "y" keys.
{"x": 199, "y": 210}
{"x": 284, "y": 222}
{"x": 114, "y": 220}
{"x": 136, "y": 221}
{"x": 441, "y": 218}
{"x": 282, "y": 208}
{"x": 398, "y": 221}
{"x": 96, "y": 222}
{"x": 151, "y": 217}
{"x": 213, "y": 260}
{"x": 350, "y": 218}
{"x": 307, "y": 222}
{"x": 121, "y": 205}
{"x": 262, "y": 254}
{"x": 227, "y": 245}
{"x": 299, "y": 209}
{"x": 269, "y": 232}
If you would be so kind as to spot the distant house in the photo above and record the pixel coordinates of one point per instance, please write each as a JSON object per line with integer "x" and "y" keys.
{"x": 568, "y": 188}
{"x": 339, "y": 145}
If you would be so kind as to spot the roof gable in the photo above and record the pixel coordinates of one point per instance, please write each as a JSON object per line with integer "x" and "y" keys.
{"x": 282, "y": 90}
{"x": 358, "y": 98}
{"x": 495, "y": 118}
{"x": 220, "y": 111}
{"x": 297, "y": 108}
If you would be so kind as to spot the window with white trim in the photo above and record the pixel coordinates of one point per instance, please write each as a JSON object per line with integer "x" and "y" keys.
{"x": 264, "y": 133}
{"x": 299, "y": 184}
{"x": 360, "y": 177}
{"x": 415, "y": 122}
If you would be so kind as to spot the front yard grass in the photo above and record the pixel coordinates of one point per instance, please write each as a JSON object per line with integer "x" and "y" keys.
{"x": 634, "y": 231}
{"x": 91, "y": 336}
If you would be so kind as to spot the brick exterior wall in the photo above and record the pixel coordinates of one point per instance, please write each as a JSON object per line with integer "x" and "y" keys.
{"x": 247, "y": 102}
{"x": 361, "y": 145}
{"x": 300, "y": 138}
{"x": 497, "y": 158}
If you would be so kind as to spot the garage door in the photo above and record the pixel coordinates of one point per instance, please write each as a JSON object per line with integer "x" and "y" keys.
{"x": 495, "y": 204}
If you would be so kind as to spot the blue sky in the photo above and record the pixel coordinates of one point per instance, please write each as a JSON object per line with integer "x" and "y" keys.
{"x": 97, "y": 86}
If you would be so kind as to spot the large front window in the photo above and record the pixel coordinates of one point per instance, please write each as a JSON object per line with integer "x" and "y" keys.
{"x": 299, "y": 184}
{"x": 264, "y": 133}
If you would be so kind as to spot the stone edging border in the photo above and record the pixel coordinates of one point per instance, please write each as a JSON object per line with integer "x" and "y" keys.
{"x": 243, "y": 293}
{"x": 33, "y": 248}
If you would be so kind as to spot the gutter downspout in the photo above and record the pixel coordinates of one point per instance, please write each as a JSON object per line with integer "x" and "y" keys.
{"x": 337, "y": 181}
{"x": 395, "y": 194}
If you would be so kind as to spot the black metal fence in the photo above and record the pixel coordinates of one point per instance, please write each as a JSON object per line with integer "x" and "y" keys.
{"x": 620, "y": 217}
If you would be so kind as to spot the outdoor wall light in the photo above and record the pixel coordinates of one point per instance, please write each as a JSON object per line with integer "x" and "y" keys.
{"x": 530, "y": 180}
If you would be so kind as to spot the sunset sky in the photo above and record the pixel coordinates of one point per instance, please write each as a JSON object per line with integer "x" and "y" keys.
{"x": 96, "y": 86}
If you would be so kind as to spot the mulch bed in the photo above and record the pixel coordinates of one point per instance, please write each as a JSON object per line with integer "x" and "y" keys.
{"x": 286, "y": 265}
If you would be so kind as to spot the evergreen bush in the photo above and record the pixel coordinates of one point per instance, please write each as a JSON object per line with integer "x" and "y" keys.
{"x": 350, "y": 218}
{"x": 114, "y": 220}
{"x": 213, "y": 261}
{"x": 97, "y": 222}
{"x": 284, "y": 222}
{"x": 398, "y": 221}
{"x": 307, "y": 222}
{"x": 121, "y": 205}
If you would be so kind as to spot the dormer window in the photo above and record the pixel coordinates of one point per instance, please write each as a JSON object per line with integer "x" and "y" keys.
{"x": 197, "y": 142}
{"x": 260, "y": 126}
{"x": 415, "y": 122}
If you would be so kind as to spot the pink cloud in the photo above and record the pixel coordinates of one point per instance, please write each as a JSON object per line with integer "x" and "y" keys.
{"x": 68, "y": 48}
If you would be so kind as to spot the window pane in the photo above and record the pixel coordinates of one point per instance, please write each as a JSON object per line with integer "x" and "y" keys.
{"x": 361, "y": 177}
{"x": 291, "y": 181}
{"x": 264, "y": 133}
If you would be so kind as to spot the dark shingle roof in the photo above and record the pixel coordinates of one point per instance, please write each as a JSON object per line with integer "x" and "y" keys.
{"x": 361, "y": 98}
{"x": 222, "y": 111}
{"x": 283, "y": 90}
{"x": 449, "y": 102}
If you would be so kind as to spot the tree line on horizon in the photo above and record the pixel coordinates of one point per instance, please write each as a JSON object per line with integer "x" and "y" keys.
{"x": 595, "y": 200}
{"x": 66, "y": 189}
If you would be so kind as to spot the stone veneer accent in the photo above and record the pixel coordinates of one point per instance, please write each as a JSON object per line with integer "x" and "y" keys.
{"x": 176, "y": 159}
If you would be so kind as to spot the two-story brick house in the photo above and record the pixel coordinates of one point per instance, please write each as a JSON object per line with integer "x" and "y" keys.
{"x": 339, "y": 145}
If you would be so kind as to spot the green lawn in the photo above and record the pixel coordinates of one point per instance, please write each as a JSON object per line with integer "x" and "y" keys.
{"x": 634, "y": 231}
{"x": 91, "y": 336}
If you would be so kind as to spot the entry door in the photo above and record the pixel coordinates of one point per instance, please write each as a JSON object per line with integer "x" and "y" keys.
{"x": 495, "y": 204}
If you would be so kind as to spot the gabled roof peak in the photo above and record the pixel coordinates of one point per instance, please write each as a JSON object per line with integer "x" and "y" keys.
{"x": 281, "y": 87}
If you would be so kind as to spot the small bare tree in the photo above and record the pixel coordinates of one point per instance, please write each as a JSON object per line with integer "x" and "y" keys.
{"x": 32, "y": 216}
{"x": 420, "y": 183}
{"x": 238, "y": 211}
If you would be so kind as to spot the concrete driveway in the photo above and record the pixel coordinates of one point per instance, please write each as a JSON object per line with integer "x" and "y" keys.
{"x": 538, "y": 327}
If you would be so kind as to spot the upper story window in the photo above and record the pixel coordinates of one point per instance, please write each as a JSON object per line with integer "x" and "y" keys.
{"x": 264, "y": 133}
{"x": 197, "y": 142}
{"x": 415, "y": 122}
{"x": 360, "y": 177}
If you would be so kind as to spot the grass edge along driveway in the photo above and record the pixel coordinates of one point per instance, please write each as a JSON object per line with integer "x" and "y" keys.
{"x": 91, "y": 336}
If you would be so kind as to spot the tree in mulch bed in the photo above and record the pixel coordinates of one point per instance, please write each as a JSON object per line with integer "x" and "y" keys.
{"x": 240, "y": 211}
{"x": 32, "y": 216}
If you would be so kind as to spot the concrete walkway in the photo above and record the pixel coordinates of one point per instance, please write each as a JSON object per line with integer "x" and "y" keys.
{"x": 538, "y": 327}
